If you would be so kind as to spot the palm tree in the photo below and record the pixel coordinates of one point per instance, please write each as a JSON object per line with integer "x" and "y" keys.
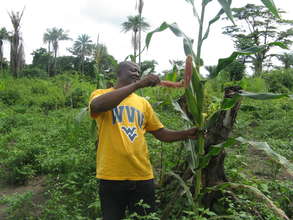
{"x": 134, "y": 23}
{"x": 286, "y": 59}
{"x": 82, "y": 47}
{"x": 52, "y": 37}
{"x": 16, "y": 50}
{"x": 47, "y": 39}
{"x": 140, "y": 7}
{"x": 3, "y": 36}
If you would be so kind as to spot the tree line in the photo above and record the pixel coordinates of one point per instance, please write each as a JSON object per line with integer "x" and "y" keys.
{"x": 257, "y": 27}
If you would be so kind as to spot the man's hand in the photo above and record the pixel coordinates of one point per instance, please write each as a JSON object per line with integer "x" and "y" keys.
{"x": 149, "y": 80}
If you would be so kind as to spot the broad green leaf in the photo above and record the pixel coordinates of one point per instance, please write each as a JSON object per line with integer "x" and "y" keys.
{"x": 226, "y": 7}
{"x": 272, "y": 7}
{"x": 214, "y": 151}
{"x": 263, "y": 146}
{"x": 264, "y": 96}
{"x": 222, "y": 63}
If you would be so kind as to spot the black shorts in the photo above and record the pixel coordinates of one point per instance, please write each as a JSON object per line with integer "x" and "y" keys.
{"x": 116, "y": 196}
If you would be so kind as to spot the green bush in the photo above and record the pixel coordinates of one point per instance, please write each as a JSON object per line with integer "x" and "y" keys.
{"x": 254, "y": 84}
{"x": 33, "y": 72}
{"x": 9, "y": 97}
{"x": 19, "y": 206}
{"x": 279, "y": 81}
{"x": 77, "y": 99}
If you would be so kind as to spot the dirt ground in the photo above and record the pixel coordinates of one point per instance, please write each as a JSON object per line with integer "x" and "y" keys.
{"x": 36, "y": 186}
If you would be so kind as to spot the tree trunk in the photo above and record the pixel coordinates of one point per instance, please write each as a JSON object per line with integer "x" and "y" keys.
{"x": 55, "y": 63}
{"x": 214, "y": 173}
{"x": 49, "y": 58}
{"x": 82, "y": 64}
{"x": 135, "y": 45}
{"x": 14, "y": 54}
{"x": 258, "y": 65}
{"x": 1, "y": 54}
{"x": 139, "y": 44}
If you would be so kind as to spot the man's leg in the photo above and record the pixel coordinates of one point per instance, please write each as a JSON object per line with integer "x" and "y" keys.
{"x": 144, "y": 190}
{"x": 114, "y": 199}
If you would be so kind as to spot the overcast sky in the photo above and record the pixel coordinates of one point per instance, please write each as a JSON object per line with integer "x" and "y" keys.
{"x": 104, "y": 18}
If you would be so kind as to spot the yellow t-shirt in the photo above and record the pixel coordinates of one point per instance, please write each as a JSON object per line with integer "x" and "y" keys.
{"x": 122, "y": 152}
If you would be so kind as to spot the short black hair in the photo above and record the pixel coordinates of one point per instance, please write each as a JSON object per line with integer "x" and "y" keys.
{"x": 123, "y": 65}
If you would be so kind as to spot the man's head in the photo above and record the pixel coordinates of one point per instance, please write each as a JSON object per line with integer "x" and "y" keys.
{"x": 127, "y": 72}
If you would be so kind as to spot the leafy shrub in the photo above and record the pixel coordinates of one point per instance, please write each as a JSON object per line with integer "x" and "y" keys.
{"x": 33, "y": 72}
{"x": 19, "y": 206}
{"x": 19, "y": 164}
{"x": 9, "y": 97}
{"x": 254, "y": 84}
{"x": 78, "y": 98}
{"x": 39, "y": 88}
{"x": 10, "y": 121}
{"x": 280, "y": 81}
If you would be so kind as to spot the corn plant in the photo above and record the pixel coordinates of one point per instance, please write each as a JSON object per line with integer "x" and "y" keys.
{"x": 194, "y": 83}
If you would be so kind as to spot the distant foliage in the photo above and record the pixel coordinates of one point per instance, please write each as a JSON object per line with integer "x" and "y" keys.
{"x": 30, "y": 71}
{"x": 279, "y": 81}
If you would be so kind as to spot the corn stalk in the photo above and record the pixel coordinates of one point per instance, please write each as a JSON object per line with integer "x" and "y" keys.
{"x": 202, "y": 153}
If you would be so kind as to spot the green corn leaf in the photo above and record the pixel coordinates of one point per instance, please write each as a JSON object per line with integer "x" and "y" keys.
{"x": 193, "y": 9}
{"x": 264, "y": 96}
{"x": 264, "y": 147}
{"x": 217, "y": 17}
{"x": 191, "y": 155}
{"x": 187, "y": 42}
{"x": 190, "y": 1}
{"x": 82, "y": 114}
{"x": 198, "y": 89}
{"x": 173, "y": 75}
{"x": 162, "y": 27}
{"x": 179, "y": 109}
{"x": 185, "y": 188}
{"x": 222, "y": 63}
{"x": 205, "y": 2}
{"x": 226, "y": 7}
{"x": 192, "y": 106}
{"x": 272, "y": 7}
{"x": 212, "y": 120}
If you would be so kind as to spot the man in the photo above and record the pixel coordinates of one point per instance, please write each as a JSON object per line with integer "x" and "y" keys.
{"x": 123, "y": 165}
